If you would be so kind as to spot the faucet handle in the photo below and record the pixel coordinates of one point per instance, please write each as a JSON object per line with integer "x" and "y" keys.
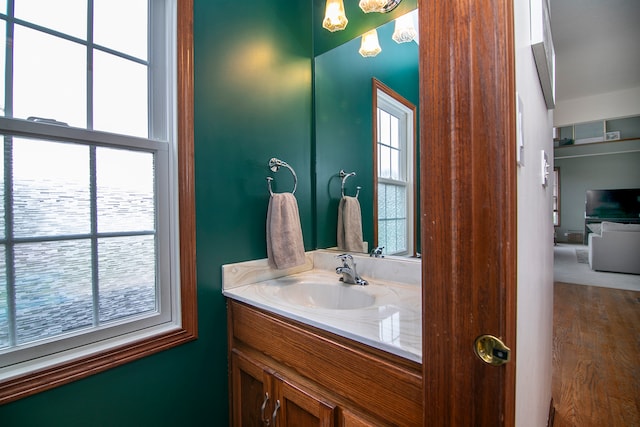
{"x": 377, "y": 252}
{"x": 345, "y": 257}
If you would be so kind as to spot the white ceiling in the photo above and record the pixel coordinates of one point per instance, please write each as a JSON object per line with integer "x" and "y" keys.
{"x": 597, "y": 45}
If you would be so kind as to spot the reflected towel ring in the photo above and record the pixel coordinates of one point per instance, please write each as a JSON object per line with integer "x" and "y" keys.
{"x": 344, "y": 177}
{"x": 275, "y": 165}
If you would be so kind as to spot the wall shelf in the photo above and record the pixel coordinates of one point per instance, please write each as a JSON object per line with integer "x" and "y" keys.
{"x": 597, "y": 131}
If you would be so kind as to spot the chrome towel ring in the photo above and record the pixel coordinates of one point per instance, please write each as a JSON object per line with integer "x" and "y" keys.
{"x": 344, "y": 177}
{"x": 275, "y": 165}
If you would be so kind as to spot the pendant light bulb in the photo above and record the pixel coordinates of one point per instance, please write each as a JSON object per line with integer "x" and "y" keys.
{"x": 368, "y": 6}
{"x": 369, "y": 45}
{"x": 334, "y": 16}
{"x": 404, "y": 31}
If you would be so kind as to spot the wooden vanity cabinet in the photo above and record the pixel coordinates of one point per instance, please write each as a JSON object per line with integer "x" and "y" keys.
{"x": 316, "y": 378}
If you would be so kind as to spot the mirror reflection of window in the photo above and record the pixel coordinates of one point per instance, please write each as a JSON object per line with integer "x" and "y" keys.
{"x": 394, "y": 207}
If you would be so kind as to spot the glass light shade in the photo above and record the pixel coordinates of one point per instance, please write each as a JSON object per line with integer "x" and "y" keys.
{"x": 404, "y": 30}
{"x": 369, "y": 45}
{"x": 334, "y": 16}
{"x": 372, "y": 5}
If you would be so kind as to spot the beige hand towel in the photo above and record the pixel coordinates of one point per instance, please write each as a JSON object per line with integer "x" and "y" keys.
{"x": 285, "y": 247}
{"x": 349, "y": 225}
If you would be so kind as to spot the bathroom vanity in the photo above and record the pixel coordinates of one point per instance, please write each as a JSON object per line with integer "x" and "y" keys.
{"x": 307, "y": 350}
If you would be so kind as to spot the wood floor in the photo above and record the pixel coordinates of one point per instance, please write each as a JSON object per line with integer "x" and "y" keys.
{"x": 596, "y": 356}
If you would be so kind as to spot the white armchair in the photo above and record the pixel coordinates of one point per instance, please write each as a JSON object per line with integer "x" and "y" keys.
{"x": 616, "y": 249}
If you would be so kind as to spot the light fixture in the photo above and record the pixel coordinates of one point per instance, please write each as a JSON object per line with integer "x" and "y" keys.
{"x": 390, "y": 5}
{"x": 382, "y": 6}
{"x": 404, "y": 30}
{"x": 369, "y": 45}
{"x": 334, "y": 16}
{"x": 368, "y": 6}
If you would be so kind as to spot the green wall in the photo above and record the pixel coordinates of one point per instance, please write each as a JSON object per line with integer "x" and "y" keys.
{"x": 592, "y": 167}
{"x": 252, "y": 102}
{"x": 344, "y": 139}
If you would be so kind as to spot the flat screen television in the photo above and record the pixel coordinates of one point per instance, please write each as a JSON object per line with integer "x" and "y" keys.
{"x": 621, "y": 203}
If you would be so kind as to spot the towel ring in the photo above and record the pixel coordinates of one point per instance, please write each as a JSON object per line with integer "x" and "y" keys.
{"x": 275, "y": 165}
{"x": 344, "y": 177}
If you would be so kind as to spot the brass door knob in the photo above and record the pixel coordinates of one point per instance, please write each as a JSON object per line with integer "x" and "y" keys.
{"x": 492, "y": 350}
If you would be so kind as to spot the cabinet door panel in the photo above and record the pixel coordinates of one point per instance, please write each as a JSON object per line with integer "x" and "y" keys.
{"x": 251, "y": 383}
{"x": 302, "y": 409}
{"x": 350, "y": 419}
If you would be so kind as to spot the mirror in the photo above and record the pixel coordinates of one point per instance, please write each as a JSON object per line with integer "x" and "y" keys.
{"x": 344, "y": 108}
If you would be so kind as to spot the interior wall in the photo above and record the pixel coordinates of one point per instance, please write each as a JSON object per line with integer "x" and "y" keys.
{"x": 598, "y": 107}
{"x": 252, "y": 102}
{"x": 535, "y": 239}
{"x": 595, "y": 172}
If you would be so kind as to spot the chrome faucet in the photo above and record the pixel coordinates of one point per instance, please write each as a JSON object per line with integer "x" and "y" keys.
{"x": 349, "y": 273}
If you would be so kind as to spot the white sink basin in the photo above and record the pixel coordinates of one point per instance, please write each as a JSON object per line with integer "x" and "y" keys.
{"x": 329, "y": 296}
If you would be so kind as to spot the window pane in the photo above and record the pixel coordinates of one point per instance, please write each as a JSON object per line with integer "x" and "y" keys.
{"x": 382, "y": 212}
{"x": 384, "y": 127}
{"x": 401, "y": 202}
{"x": 125, "y": 190}
{"x": 68, "y": 16}
{"x": 51, "y": 188}
{"x": 385, "y": 161}
{"x": 121, "y": 25}
{"x": 390, "y": 202}
{"x": 3, "y": 6}
{"x": 4, "y": 307}
{"x": 53, "y": 288}
{"x": 120, "y": 95}
{"x": 401, "y": 235}
{"x": 382, "y": 234}
{"x": 60, "y": 92}
{"x": 127, "y": 276}
{"x": 3, "y": 54}
{"x": 395, "y": 135}
{"x": 395, "y": 164}
{"x": 392, "y": 214}
{"x": 390, "y": 237}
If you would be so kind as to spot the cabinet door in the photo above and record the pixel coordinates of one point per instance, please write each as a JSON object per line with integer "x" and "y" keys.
{"x": 349, "y": 419}
{"x": 251, "y": 396}
{"x": 300, "y": 408}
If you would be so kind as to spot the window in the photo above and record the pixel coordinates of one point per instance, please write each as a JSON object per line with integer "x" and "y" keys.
{"x": 95, "y": 267}
{"x": 394, "y": 130}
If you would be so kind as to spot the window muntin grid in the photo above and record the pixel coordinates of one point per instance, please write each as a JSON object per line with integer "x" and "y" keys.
{"x": 138, "y": 223}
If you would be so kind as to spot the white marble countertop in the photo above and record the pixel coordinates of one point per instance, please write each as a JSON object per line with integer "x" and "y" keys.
{"x": 391, "y": 319}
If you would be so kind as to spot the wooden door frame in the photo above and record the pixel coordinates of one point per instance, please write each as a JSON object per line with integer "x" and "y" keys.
{"x": 468, "y": 208}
